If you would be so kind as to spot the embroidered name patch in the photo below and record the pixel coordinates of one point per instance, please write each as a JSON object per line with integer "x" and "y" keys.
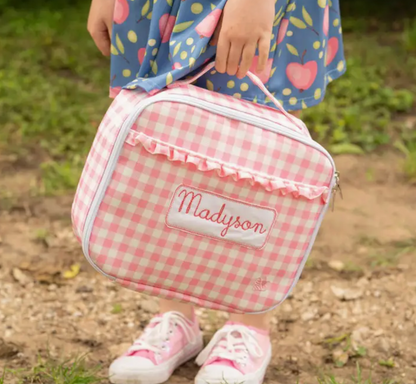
{"x": 216, "y": 216}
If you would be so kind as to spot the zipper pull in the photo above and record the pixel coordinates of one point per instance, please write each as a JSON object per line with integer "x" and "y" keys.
{"x": 336, "y": 189}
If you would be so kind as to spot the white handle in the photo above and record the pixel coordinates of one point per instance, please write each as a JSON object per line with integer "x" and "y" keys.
{"x": 253, "y": 78}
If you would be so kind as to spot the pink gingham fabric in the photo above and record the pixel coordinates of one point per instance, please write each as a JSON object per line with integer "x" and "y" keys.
{"x": 174, "y": 143}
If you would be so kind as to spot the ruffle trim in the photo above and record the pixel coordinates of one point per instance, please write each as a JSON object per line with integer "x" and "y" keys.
{"x": 206, "y": 164}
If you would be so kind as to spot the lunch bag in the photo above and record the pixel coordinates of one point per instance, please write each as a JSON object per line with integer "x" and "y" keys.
{"x": 201, "y": 197}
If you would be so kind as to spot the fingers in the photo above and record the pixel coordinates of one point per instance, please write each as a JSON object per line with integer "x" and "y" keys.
{"x": 215, "y": 37}
{"x": 223, "y": 49}
{"x": 264, "y": 50}
{"x": 109, "y": 26}
{"x": 102, "y": 41}
{"x": 234, "y": 58}
{"x": 101, "y": 36}
{"x": 246, "y": 61}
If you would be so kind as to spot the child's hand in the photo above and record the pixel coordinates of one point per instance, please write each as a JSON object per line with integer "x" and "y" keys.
{"x": 100, "y": 22}
{"x": 246, "y": 25}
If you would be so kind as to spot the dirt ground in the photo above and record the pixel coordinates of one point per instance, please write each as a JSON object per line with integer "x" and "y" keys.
{"x": 355, "y": 301}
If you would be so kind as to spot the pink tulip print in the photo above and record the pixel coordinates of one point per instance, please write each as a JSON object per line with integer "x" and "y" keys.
{"x": 177, "y": 66}
{"x": 332, "y": 50}
{"x": 207, "y": 26}
{"x": 140, "y": 54}
{"x": 282, "y": 30}
{"x": 121, "y": 11}
{"x": 265, "y": 75}
{"x": 166, "y": 25}
{"x": 325, "y": 26}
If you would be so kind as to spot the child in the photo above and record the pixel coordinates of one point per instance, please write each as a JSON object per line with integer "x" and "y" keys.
{"x": 295, "y": 47}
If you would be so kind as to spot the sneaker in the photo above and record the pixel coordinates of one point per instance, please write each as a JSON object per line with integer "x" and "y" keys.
{"x": 236, "y": 354}
{"x": 167, "y": 342}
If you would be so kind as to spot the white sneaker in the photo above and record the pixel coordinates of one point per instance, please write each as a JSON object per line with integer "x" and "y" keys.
{"x": 167, "y": 342}
{"x": 236, "y": 354}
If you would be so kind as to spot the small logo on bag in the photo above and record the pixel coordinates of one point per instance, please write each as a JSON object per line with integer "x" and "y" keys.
{"x": 260, "y": 284}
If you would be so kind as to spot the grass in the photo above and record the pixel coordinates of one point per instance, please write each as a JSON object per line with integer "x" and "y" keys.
{"x": 409, "y": 36}
{"x": 117, "y": 308}
{"x": 53, "y": 92}
{"x": 387, "y": 363}
{"x": 389, "y": 255}
{"x": 50, "y": 371}
{"x": 50, "y": 114}
{"x": 360, "y": 109}
{"x": 41, "y": 234}
{"x": 408, "y": 148}
{"x": 77, "y": 371}
{"x": 358, "y": 378}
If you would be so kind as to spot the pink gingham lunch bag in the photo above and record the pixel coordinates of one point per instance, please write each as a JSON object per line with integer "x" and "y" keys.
{"x": 196, "y": 196}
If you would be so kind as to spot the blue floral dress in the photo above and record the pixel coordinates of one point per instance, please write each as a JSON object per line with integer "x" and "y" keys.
{"x": 156, "y": 42}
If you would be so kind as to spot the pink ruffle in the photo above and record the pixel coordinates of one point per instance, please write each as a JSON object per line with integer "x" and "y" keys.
{"x": 206, "y": 164}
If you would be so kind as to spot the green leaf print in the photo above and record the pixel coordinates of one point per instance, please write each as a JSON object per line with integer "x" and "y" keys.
{"x": 154, "y": 67}
{"x": 297, "y": 22}
{"x": 278, "y": 17}
{"x": 182, "y": 26}
{"x": 307, "y": 17}
{"x": 145, "y": 8}
{"x": 169, "y": 78}
{"x": 114, "y": 50}
{"x": 176, "y": 50}
{"x": 292, "y": 49}
{"x": 119, "y": 44}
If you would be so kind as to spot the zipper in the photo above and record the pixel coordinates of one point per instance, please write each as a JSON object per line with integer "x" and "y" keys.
{"x": 224, "y": 111}
{"x": 336, "y": 189}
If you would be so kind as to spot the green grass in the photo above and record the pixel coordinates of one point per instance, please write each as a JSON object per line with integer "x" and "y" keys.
{"x": 409, "y": 36}
{"x": 117, "y": 308}
{"x": 77, "y": 371}
{"x": 389, "y": 255}
{"x": 53, "y": 90}
{"x": 54, "y": 83}
{"x": 361, "y": 108}
{"x": 387, "y": 363}
{"x": 49, "y": 371}
{"x": 407, "y": 146}
{"x": 358, "y": 378}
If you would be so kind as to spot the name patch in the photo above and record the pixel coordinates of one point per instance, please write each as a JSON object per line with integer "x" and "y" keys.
{"x": 219, "y": 217}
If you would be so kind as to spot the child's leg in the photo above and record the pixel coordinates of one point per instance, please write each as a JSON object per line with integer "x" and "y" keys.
{"x": 261, "y": 321}
{"x": 296, "y": 113}
{"x": 167, "y": 306}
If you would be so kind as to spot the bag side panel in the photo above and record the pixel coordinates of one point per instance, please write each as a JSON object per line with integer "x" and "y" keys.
{"x": 99, "y": 155}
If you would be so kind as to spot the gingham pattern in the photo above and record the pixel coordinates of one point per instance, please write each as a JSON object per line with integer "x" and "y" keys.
{"x": 254, "y": 109}
{"x": 130, "y": 240}
{"x": 99, "y": 155}
{"x": 234, "y": 142}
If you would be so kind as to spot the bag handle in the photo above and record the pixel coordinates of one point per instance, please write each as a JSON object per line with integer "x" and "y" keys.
{"x": 255, "y": 81}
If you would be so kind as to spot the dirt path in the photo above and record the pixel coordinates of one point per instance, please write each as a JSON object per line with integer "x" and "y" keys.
{"x": 355, "y": 302}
